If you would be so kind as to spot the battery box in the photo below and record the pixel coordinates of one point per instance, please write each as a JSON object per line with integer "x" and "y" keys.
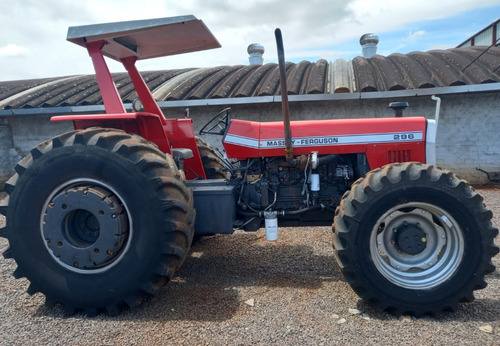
{"x": 215, "y": 204}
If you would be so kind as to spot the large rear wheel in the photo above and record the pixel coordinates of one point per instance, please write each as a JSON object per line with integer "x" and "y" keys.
{"x": 414, "y": 239}
{"x": 212, "y": 163}
{"x": 97, "y": 219}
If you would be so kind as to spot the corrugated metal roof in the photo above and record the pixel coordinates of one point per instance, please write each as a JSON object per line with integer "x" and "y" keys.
{"x": 416, "y": 70}
{"x": 488, "y": 36}
{"x": 437, "y": 68}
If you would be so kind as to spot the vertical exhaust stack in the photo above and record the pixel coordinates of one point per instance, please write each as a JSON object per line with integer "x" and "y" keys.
{"x": 284, "y": 96}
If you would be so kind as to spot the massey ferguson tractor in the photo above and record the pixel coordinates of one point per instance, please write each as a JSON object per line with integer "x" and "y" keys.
{"x": 102, "y": 217}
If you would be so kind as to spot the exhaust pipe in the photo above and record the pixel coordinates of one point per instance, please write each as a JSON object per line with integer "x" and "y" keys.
{"x": 284, "y": 96}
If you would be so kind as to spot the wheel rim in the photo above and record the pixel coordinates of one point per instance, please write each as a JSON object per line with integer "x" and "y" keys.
{"x": 85, "y": 226}
{"x": 417, "y": 245}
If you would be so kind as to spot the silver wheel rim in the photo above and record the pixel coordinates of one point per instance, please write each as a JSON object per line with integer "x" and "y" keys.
{"x": 417, "y": 245}
{"x": 85, "y": 226}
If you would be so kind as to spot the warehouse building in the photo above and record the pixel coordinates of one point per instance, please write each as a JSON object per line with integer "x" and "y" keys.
{"x": 467, "y": 79}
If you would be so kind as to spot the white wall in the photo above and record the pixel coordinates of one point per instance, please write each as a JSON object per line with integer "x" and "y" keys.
{"x": 467, "y": 134}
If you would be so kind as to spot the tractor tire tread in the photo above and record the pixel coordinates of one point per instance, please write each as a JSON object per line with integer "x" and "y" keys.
{"x": 356, "y": 202}
{"x": 160, "y": 170}
{"x": 212, "y": 163}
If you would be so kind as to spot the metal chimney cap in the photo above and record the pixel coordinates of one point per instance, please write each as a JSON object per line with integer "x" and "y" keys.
{"x": 369, "y": 38}
{"x": 255, "y": 48}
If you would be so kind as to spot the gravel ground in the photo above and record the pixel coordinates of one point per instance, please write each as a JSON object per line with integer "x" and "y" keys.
{"x": 241, "y": 290}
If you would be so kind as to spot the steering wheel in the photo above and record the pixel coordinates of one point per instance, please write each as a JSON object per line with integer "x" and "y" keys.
{"x": 222, "y": 123}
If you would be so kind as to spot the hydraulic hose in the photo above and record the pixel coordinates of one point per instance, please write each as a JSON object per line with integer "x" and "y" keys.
{"x": 289, "y": 212}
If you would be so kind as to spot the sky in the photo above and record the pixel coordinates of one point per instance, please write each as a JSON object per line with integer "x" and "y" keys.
{"x": 33, "y": 32}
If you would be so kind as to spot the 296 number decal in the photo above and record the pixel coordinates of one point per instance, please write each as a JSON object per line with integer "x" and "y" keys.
{"x": 404, "y": 137}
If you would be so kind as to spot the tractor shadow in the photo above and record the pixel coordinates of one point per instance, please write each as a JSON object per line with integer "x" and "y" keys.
{"x": 209, "y": 284}
{"x": 222, "y": 272}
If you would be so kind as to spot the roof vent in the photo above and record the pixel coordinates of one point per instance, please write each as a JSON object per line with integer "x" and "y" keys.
{"x": 369, "y": 44}
{"x": 255, "y": 51}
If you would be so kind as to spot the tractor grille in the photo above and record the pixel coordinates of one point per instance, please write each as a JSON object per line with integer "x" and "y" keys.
{"x": 398, "y": 156}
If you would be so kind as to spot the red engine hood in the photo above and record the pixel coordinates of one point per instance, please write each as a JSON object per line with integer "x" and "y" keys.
{"x": 245, "y": 139}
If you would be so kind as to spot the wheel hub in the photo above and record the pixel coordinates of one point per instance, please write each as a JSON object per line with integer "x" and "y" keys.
{"x": 85, "y": 227}
{"x": 416, "y": 245}
{"x": 410, "y": 238}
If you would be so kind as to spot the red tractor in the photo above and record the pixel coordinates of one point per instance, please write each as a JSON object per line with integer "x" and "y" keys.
{"x": 103, "y": 216}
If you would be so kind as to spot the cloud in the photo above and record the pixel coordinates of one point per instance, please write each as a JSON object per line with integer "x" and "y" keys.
{"x": 415, "y": 36}
{"x": 315, "y": 27}
{"x": 12, "y": 51}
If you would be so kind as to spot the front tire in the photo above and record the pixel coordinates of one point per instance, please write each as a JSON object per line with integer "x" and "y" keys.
{"x": 97, "y": 219}
{"x": 414, "y": 239}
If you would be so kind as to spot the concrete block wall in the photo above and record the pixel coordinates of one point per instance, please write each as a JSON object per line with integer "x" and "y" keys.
{"x": 6, "y": 146}
{"x": 467, "y": 133}
{"x": 19, "y": 134}
{"x": 468, "y": 130}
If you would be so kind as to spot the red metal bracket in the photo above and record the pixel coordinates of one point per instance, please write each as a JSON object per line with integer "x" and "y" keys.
{"x": 110, "y": 96}
{"x": 147, "y": 99}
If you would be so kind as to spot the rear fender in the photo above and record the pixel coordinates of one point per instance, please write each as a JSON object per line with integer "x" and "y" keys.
{"x": 176, "y": 133}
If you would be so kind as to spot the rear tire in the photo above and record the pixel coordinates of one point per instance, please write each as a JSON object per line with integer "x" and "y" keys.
{"x": 212, "y": 163}
{"x": 97, "y": 219}
{"x": 414, "y": 239}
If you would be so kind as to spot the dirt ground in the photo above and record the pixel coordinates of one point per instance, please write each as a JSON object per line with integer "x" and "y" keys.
{"x": 241, "y": 290}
